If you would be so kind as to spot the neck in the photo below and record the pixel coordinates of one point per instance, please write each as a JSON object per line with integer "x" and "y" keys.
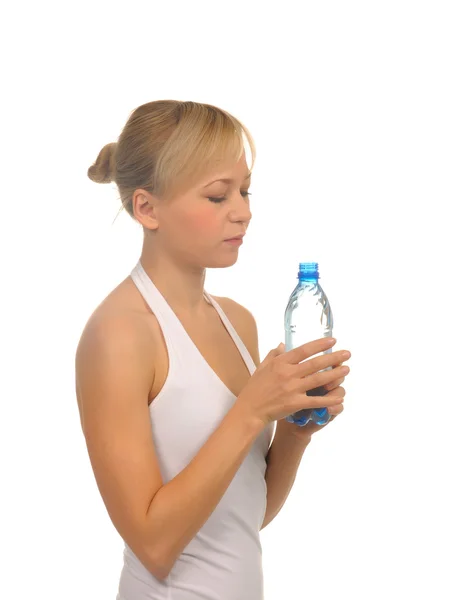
{"x": 182, "y": 286}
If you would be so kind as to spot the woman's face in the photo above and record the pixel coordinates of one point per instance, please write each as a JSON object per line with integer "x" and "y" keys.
{"x": 193, "y": 226}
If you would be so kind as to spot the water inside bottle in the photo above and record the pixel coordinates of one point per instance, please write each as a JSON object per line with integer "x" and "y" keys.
{"x": 308, "y": 317}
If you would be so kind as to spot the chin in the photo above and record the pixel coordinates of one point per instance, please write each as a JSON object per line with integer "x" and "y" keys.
{"x": 221, "y": 262}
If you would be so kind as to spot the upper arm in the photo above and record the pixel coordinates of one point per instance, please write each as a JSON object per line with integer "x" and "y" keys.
{"x": 114, "y": 374}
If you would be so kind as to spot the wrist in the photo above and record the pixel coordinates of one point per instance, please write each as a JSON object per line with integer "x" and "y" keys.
{"x": 248, "y": 419}
{"x": 299, "y": 434}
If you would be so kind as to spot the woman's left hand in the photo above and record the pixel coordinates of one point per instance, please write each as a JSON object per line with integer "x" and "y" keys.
{"x": 306, "y": 432}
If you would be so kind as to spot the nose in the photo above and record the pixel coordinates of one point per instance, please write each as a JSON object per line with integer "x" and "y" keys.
{"x": 240, "y": 210}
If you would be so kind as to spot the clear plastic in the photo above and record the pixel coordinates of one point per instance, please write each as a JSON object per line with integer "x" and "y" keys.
{"x": 308, "y": 317}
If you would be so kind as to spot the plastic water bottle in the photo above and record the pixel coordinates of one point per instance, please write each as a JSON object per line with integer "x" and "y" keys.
{"x": 308, "y": 317}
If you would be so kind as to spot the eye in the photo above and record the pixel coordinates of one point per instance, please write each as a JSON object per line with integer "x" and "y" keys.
{"x": 222, "y": 198}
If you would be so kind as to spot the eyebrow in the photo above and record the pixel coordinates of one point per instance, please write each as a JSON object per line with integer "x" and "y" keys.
{"x": 227, "y": 180}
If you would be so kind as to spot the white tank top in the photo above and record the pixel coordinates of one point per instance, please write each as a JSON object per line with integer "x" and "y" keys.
{"x": 224, "y": 559}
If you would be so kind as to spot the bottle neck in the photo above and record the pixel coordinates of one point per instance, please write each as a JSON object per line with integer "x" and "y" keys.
{"x": 308, "y": 272}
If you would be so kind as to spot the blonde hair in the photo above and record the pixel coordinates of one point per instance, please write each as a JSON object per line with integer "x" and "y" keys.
{"x": 166, "y": 145}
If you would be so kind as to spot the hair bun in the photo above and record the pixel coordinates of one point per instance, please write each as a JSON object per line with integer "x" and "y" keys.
{"x": 104, "y": 168}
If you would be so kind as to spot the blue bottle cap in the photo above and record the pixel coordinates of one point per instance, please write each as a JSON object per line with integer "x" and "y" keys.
{"x": 308, "y": 271}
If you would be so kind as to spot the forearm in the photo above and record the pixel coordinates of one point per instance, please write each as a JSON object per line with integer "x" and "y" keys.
{"x": 284, "y": 457}
{"x": 184, "y": 504}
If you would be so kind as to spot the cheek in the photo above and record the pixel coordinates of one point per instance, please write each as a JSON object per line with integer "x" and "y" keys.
{"x": 204, "y": 221}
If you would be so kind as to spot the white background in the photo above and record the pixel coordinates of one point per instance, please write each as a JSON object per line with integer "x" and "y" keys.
{"x": 351, "y": 107}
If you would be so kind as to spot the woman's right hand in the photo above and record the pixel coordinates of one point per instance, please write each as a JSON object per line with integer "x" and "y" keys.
{"x": 278, "y": 386}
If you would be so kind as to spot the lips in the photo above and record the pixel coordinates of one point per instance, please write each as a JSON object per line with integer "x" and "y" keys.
{"x": 238, "y": 237}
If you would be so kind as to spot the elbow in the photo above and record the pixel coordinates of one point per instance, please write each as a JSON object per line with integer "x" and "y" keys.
{"x": 154, "y": 562}
{"x": 160, "y": 554}
{"x": 160, "y": 573}
{"x": 158, "y": 565}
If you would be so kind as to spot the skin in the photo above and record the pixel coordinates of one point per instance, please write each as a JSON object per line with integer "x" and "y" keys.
{"x": 185, "y": 236}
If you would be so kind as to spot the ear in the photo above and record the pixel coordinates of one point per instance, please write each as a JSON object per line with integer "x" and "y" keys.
{"x": 146, "y": 208}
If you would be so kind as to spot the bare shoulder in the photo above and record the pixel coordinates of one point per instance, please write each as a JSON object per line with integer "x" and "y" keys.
{"x": 118, "y": 329}
{"x": 244, "y": 322}
{"x": 122, "y": 316}
{"x": 109, "y": 337}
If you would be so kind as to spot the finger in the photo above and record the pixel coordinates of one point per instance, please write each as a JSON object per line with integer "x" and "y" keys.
{"x": 335, "y": 410}
{"x": 338, "y": 394}
{"x": 334, "y": 384}
{"x": 277, "y": 351}
{"x": 304, "y": 401}
{"x": 321, "y": 379}
{"x": 272, "y": 354}
{"x": 296, "y": 355}
{"x": 321, "y": 363}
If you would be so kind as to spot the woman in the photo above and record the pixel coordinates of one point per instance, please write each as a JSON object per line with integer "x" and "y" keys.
{"x": 177, "y": 411}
